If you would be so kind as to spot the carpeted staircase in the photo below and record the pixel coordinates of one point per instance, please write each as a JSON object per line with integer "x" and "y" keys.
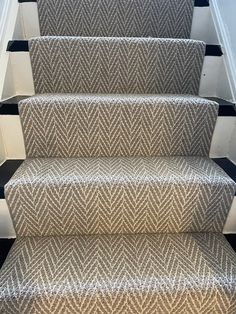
{"x": 118, "y": 208}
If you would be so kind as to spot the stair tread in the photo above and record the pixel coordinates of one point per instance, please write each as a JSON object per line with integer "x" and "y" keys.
{"x": 128, "y": 273}
{"x": 81, "y": 125}
{"x": 49, "y": 196}
{"x": 116, "y": 65}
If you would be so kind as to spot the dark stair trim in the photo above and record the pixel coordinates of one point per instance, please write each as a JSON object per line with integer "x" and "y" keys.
{"x": 226, "y": 108}
{"x": 201, "y": 3}
{"x": 23, "y": 45}
{"x": 10, "y": 106}
{"x": 18, "y": 45}
{"x": 227, "y": 166}
{"x": 213, "y": 50}
{"x": 7, "y": 169}
{"x": 22, "y": 1}
{"x": 197, "y": 3}
{"x": 231, "y": 238}
{"x": 5, "y": 246}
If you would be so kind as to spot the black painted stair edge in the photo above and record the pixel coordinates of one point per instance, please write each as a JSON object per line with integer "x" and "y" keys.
{"x": 23, "y": 46}
{"x": 201, "y": 3}
{"x": 226, "y": 108}
{"x": 228, "y": 166}
{"x": 7, "y": 169}
{"x": 5, "y": 246}
{"x": 18, "y": 46}
{"x": 213, "y": 50}
{"x": 197, "y": 3}
{"x": 23, "y": 1}
{"x": 231, "y": 238}
{"x": 10, "y": 106}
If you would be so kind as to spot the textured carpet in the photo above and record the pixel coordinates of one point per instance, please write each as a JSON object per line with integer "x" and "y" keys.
{"x": 116, "y": 18}
{"x": 62, "y": 196}
{"x": 117, "y": 207}
{"x": 70, "y": 125}
{"x": 183, "y": 273}
{"x": 116, "y": 65}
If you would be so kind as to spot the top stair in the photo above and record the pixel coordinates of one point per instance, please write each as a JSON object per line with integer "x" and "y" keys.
{"x": 116, "y": 18}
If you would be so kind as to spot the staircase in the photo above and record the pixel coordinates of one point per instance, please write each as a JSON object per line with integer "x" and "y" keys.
{"x": 118, "y": 208}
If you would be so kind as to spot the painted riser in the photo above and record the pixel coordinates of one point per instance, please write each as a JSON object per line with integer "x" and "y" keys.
{"x": 202, "y": 21}
{"x": 12, "y": 136}
{"x": 20, "y": 76}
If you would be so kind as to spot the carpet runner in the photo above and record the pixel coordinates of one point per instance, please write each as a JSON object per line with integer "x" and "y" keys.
{"x": 116, "y": 18}
{"x": 166, "y": 273}
{"x": 118, "y": 207}
{"x": 116, "y": 65}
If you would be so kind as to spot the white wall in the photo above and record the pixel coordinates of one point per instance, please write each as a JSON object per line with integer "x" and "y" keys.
{"x": 223, "y": 12}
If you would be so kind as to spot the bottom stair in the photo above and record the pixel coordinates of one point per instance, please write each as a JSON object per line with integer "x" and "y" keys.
{"x": 155, "y": 273}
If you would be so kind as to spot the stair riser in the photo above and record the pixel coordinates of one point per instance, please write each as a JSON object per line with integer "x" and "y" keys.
{"x": 7, "y": 230}
{"x": 87, "y": 126}
{"x": 116, "y": 65}
{"x": 202, "y": 21}
{"x": 22, "y": 80}
{"x": 14, "y": 146}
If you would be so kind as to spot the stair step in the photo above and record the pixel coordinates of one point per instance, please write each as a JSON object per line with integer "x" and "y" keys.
{"x": 82, "y": 125}
{"x": 116, "y": 65}
{"x": 168, "y": 273}
{"x": 64, "y": 196}
{"x": 116, "y": 18}
{"x": 23, "y": 45}
{"x": 10, "y": 106}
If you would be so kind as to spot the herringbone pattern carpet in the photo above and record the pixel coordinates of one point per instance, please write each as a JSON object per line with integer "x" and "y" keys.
{"x": 116, "y": 65}
{"x": 65, "y": 196}
{"x": 72, "y": 125}
{"x": 117, "y": 208}
{"x": 141, "y": 274}
{"x": 116, "y": 18}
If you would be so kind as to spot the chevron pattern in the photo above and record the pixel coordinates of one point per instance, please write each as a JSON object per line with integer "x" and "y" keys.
{"x": 149, "y": 274}
{"x": 116, "y": 18}
{"x": 116, "y": 65}
{"x": 62, "y": 196}
{"x": 67, "y": 125}
{"x": 118, "y": 209}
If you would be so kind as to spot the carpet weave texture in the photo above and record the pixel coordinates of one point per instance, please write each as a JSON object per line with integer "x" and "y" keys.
{"x": 116, "y": 65}
{"x": 68, "y": 196}
{"x": 79, "y": 125}
{"x": 116, "y": 18}
{"x": 132, "y": 274}
{"x": 118, "y": 208}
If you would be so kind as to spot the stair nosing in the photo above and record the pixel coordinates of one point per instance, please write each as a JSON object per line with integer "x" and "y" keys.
{"x": 197, "y": 3}
{"x": 23, "y": 46}
{"x": 13, "y": 164}
{"x": 10, "y": 106}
